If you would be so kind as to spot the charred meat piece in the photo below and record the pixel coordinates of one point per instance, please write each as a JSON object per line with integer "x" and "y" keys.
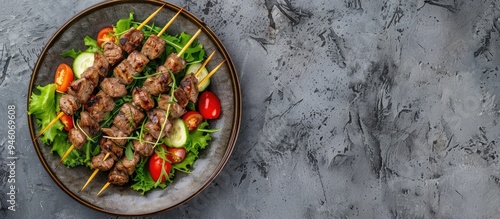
{"x": 118, "y": 175}
{"x": 175, "y": 110}
{"x": 190, "y": 86}
{"x": 77, "y": 138}
{"x": 69, "y": 104}
{"x": 181, "y": 97}
{"x": 101, "y": 64}
{"x": 100, "y": 105}
{"x": 124, "y": 72}
{"x": 88, "y": 125}
{"x": 131, "y": 40}
{"x": 113, "y": 87}
{"x": 174, "y": 63}
{"x": 99, "y": 163}
{"x": 128, "y": 118}
{"x": 142, "y": 98}
{"x": 153, "y": 47}
{"x": 129, "y": 165}
{"x": 112, "y": 52}
{"x": 144, "y": 148}
{"x": 157, "y": 119}
{"x": 116, "y": 133}
{"x": 158, "y": 84}
{"x": 91, "y": 74}
{"x": 108, "y": 146}
{"x": 81, "y": 89}
{"x": 137, "y": 60}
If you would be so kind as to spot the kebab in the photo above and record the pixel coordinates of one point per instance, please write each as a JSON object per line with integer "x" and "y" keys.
{"x": 120, "y": 173}
{"x": 142, "y": 98}
{"x": 90, "y": 78}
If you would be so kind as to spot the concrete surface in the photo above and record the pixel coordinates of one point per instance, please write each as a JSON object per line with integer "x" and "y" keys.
{"x": 352, "y": 109}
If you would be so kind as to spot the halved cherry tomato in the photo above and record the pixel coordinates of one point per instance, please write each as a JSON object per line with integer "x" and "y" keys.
{"x": 105, "y": 35}
{"x": 192, "y": 119}
{"x": 63, "y": 78}
{"x": 176, "y": 155}
{"x": 67, "y": 121}
{"x": 157, "y": 165}
{"x": 209, "y": 105}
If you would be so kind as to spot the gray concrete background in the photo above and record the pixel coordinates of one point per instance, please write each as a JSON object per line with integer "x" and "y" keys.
{"x": 351, "y": 109}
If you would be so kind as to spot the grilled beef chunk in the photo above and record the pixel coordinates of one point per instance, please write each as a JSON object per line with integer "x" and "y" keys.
{"x": 107, "y": 145}
{"x": 158, "y": 84}
{"x": 181, "y": 97}
{"x": 101, "y": 64}
{"x": 100, "y": 105}
{"x": 81, "y": 89}
{"x": 113, "y": 87}
{"x": 129, "y": 165}
{"x": 91, "y": 74}
{"x": 144, "y": 148}
{"x": 117, "y": 133}
{"x": 99, "y": 163}
{"x": 156, "y": 121}
{"x": 174, "y": 63}
{"x": 124, "y": 72}
{"x": 131, "y": 40}
{"x": 69, "y": 104}
{"x": 112, "y": 52}
{"x": 153, "y": 47}
{"x": 175, "y": 110}
{"x": 77, "y": 138}
{"x": 128, "y": 118}
{"x": 118, "y": 175}
{"x": 190, "y": 86}
{"x": 142, "y": 98}
{"x": 88, "y": 125}
{"x": 137, "y": 60}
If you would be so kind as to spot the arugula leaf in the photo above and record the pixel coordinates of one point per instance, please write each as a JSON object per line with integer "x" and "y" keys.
{"x": 43, "y": 106}
{"x": 91, "y": 47}
{"x": 71, "y": 53}
{"x": 123, "y": 25}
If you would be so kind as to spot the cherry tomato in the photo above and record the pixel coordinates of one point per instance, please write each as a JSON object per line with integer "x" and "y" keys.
{"x": 176, "y": 155}
{"x": 105, "y": 35}
{"x": 67, "y": 121}
{"x": 157, "y": 165}
{"x": 209, "y": 105}
{"x": 63, "y": 78}
{"x": 192, "y": 119}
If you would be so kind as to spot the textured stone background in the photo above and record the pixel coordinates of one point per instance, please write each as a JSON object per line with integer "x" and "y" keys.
{"x": 352, "y": 109}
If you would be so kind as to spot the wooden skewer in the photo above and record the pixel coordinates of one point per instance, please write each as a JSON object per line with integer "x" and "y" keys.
{"x": 149, "y": 18}
{"x": 211, "y": 73}
{"x": 204, "y": 64}
{"x": 103, "y": 188}
{"x": 189, "y": 43}
{"x": 66, "y": 154}
{"x": 168, "y": 24}
{"x": 95, "y": 172}
{"x": 50, "y": 124}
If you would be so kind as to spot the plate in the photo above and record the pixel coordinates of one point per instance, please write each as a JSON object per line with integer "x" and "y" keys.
{"x": 120, "y": 200}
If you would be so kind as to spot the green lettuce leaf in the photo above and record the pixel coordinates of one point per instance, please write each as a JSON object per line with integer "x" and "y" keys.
{"x": 43, "y": 107}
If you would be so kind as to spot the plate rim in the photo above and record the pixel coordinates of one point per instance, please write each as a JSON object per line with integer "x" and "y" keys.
{"x": 237, "y": 103}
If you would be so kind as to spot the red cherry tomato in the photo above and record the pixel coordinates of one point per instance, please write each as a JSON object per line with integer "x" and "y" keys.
{"x": 176, "y": 155}
{"x": 63, "y": 78}
{"x": 105, "y": 35}
{"x": 67, "y": 121}
{"x": 157, "y": 165}
{"x": 192, "y": 119}
{"x": 209, "y": 105}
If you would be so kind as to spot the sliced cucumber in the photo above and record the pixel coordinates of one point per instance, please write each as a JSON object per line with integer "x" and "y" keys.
{"x": 193, "y": 68}
{"x": 82, "y": 62}
{"x": 178, "y": 135}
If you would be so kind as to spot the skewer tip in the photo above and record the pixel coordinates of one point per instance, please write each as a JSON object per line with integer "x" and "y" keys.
{"x": 66, "y": 154}
{"x": 103, "y": 188}
{"x": 90, "y": 179}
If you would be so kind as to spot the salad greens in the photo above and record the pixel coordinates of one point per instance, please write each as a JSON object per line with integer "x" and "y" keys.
{"x": 43, "y": 105}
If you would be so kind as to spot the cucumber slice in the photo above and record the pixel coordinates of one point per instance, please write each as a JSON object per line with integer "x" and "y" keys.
{"x": 178, "y": 135}
{"x": 82, "y": 62}
{"x": 193, "y": 68}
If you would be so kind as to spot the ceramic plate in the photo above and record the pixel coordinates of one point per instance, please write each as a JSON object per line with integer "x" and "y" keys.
{"x": 123, "y": 200}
